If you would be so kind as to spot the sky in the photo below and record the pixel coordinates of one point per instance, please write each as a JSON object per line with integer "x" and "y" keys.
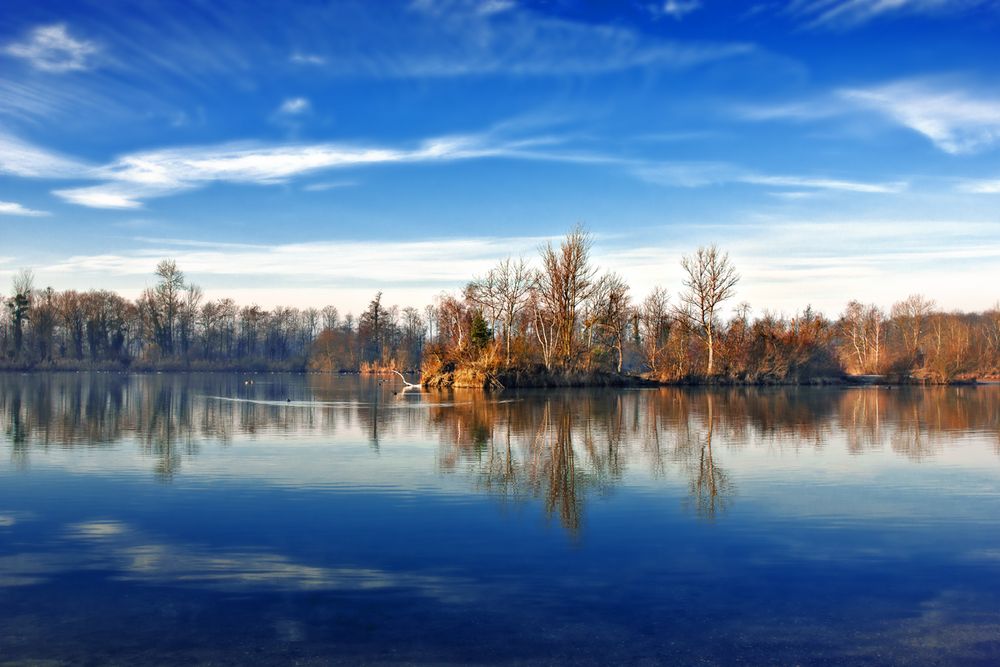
{"x": 312, "y": 153}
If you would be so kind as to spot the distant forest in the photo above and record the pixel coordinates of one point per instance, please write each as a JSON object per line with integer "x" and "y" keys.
{"x": 559, "y": 315}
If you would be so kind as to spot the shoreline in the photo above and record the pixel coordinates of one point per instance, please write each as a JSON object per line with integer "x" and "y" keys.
{"x": 528, "y": 379}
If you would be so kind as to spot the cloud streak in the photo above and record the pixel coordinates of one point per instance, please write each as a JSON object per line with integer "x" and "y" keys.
{"x": 980, "y": 187}
{"x": 434, "y": 262}
{"x": 701, "y": 174}
{"x": 14, "y": 208}
{"x": 20, "y": 158}
{"x": 841, "y": 14}
{"x": 464, "y": 38}
{"x": 51, "y": 48}
{"x": 133, "y": 178}
{"x": 128, "y": 181}
{"x": 955, "y": 119}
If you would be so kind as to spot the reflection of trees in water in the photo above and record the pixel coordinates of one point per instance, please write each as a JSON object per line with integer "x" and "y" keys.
{"x": 916, "y": 422}
{"x": 559, "y": 446}
{"x": 710, "y": 487}
{"x": 562, "y": 447}
{"x": 167, "y": 415}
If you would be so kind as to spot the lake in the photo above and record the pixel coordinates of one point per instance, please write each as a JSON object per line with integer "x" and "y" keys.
{"x": 255, "y": 519}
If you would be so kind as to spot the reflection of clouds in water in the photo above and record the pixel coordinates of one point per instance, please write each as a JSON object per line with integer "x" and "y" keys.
{"x": 985, "y": 555}
{"x": 961, "y": 623}
{"x": 29, "y": 568}
{"x": 96, "y": 529}
{"x": 9, "y": 519}
{"x": 113, "y": 545}
{"x": 951, "y": 626}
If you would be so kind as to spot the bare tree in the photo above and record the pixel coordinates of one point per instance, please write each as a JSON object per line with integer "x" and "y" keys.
{"x": 863, "y": 329}
{"x": 165, "y": 302}
{"x": 563, "y": 285}
{"x": 910, "y": 317}
{"x": 711, "y": 279}
{"x": 331, "y": 317}
{"x": 613, "y": 311}
{"x": 654, "y": 327}
{"x": 22, "y": 293}
{"x": 504, "y": 294}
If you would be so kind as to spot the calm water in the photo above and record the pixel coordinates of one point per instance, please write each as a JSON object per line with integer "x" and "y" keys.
{"x": 173, "y": 519}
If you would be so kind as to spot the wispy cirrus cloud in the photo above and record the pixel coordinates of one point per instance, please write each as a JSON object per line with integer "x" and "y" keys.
{"x": 323, "y": 186}
{"x": 298, "y": 58}
{"x": 14, "y": 208}
{"x": 453, "y": 38}
{"x": 133, "y": 178}
{"x": 953, "y": 117}
{"x": 701, "y": 174}
{"x": 887, "y": 187}
{"x": 51, "y": 48}
{"x": 128, "y": 181}
{"x": 21, "y": 158}
{"x": 153, "y": 58}
{"x": 841, "y": 14}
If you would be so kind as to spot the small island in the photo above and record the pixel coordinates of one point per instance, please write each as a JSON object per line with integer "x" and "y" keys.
{"x": 565, "y": 324}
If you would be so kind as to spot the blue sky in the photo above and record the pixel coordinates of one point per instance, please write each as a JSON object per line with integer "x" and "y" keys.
{"x": 311, "y": 154}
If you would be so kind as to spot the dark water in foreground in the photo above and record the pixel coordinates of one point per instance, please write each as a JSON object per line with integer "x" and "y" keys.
{"x": 172, "y": 519}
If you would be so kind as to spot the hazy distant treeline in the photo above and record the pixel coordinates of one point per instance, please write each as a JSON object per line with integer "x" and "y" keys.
{"x": 560, "y": 315}
{"x": 172, "y": 326}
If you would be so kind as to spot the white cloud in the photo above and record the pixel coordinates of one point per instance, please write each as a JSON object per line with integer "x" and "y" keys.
{"x": 980, "y": 187}
{"x": 851, "y": 13}
{"x": 299, "y": 58}
{"x": 294, "y": 106}
{"x": 14, "y": 208}
{"x": 133, "y": 178}
{"x": 450, "y": 38}
{"x": 795, "y": 194}
{"x": 442, "y": 262}
{"x": 701, "y": 174}
{"x": 786, "y": 263}
{"x": 825, "y": 184}
{"x": 328, "y": 185}
{"x": 52, "y": 49}
{"x": 678, "y": 9}
{"x": 100, "y": 196}
{"x": 496, "y": 6}
{"x": 21, "y": 158}
{"x": 956, "y": 121}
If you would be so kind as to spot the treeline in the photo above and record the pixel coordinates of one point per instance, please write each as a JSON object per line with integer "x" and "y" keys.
{"x": 526, "y": 324}
{"x": 172, "y": 327}
{"x": 557, "y": 321}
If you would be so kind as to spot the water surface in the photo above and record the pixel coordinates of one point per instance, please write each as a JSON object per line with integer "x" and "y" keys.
{"x": 233, "y": 519}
